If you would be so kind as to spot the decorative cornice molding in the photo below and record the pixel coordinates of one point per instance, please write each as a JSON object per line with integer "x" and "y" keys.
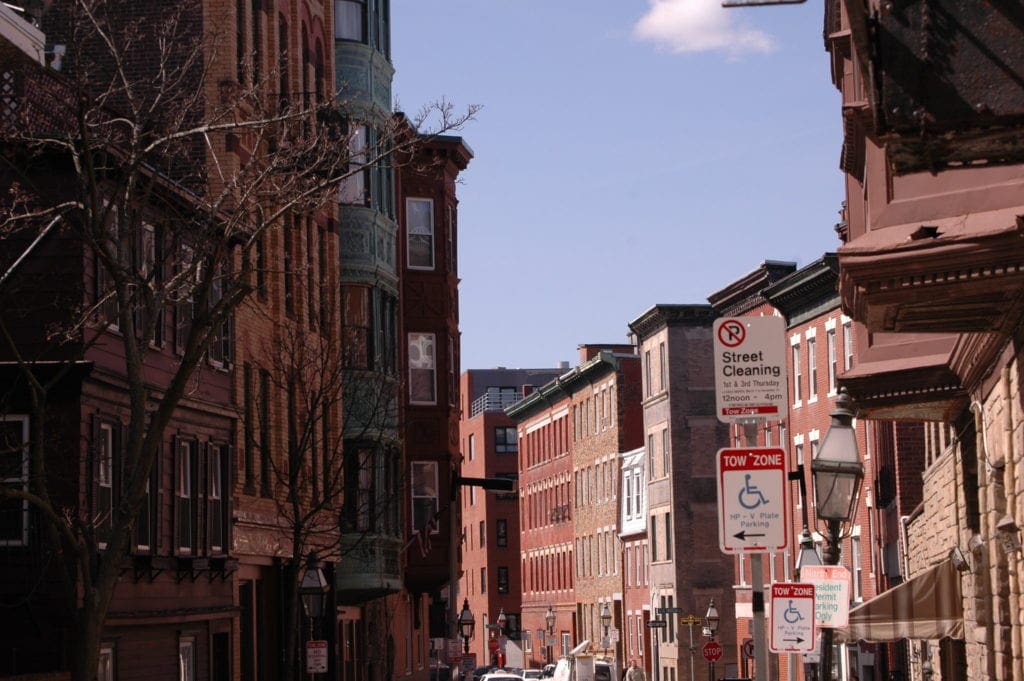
{"x": 662, "y": 315}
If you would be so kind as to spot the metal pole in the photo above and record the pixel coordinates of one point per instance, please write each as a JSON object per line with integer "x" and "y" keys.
{"x": 831, "y": 558}
{"x": 690, "y": 621}
{"x": 761, "y": 668}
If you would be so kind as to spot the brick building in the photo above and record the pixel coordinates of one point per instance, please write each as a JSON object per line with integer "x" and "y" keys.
{"x": 491, "y": 550}
{"x": 544, "y": 431}
{"x": 681, "y": 436}
{"x": 929, "y": 266}
{"x": 635, "y": 636}
{"x": 604, "y": 392}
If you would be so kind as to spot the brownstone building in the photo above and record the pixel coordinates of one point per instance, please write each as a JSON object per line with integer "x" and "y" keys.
{"x": 932, "y": 111}
{"x": 635, "y": 635}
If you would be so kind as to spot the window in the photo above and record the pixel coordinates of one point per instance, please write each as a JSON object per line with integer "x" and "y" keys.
{"x": 638, "y": 494}
{"x": 483, "y": 580}
{"x": 217, "y": 474}
{"x": 105, "y": 671}
{"x": 812, "y": 369}
{"x": 650, "y": 454}
{"x": 472, "y": 446}
{"x": 352, "y": 189}
{"x": 420, "y": 230}
{"x": 483, "y": 534}
{"x": 505, "y": 440}
{"x": 833, "y": 363}
{"x": 145, "y": 523}
{"x": 652, "y": 523}
{"x": 350, "y": 20}
{"x": 424, "y": 494}
{"x": 184, "y": 508}
{"x": 501, "y": 532}
{"x": 857, "y": 568}
{"x": 664, "y": 452}
{"x": 628, "y": 485}
{"x": 14, "y": 469}
{"x": 187, "y": 659}
{"x": 647, "y": 373}
{"x": 797, "y": 375}
{"x": 847, "y": 345}
{"x": 502, "y": 579}
{"x": 104, "y": 467}
{"x": 799, "y": 455}
{"x": 422, "y": 369}
{"x": 566, "y": 642}
{"x": 527, "y": 642}
{"x": 264, "y": 423}
{"x": 668, "y": 536}
{"x": 662, "y": 367}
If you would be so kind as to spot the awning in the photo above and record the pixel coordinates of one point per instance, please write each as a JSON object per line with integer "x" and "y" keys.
{"x": 927, "y": 606}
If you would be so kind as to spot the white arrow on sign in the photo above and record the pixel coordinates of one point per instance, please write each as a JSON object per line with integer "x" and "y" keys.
{"x": 753, "y": 500}
{"x": 792, "y": 609}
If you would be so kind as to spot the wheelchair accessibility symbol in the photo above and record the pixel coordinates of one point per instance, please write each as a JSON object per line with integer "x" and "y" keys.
{"x": 791, "y": 614}
{"x": 750, "y": 496}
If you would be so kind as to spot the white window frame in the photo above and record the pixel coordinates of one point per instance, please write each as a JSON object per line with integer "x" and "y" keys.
{"x": 426, "y": 360}
{"x": 19, "y": 480}
{"x": 105, "y": 472}
{"x": 812, "y": 367}
{"x": 187, "y": 658}
{"x": 794, "y": 345}
{"x": 429, "y": 469}
{"x": 420, "y": 233}
{"x": 832, "y": 352}
{"x": 847, "y": 343}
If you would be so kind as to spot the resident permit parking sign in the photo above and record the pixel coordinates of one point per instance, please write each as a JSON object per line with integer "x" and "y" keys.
{"x": 753, "y": 500}
{"x": 831, "y": 594}
{"x": 792, "y": 614}
{"x": 750, "y": 368}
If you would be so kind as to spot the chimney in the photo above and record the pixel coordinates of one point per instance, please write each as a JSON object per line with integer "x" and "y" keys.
{"x": 563, "y": 365}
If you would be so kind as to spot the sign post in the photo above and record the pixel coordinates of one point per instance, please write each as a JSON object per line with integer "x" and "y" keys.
{"x": 316, "y": 657}
{"x": 792, "y": 608}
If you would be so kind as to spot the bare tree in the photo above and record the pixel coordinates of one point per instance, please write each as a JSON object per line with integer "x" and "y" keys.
{"x": 161, "y": 221}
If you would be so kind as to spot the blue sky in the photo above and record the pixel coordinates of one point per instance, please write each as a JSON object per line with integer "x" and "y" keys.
{"x": 628, "y": 153}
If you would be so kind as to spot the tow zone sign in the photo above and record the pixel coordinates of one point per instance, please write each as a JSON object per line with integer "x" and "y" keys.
{"x": 792, "y": 611}
{"x": 753, "y": 500}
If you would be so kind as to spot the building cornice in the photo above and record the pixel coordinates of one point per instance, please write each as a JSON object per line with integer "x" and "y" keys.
{"x": 661, "y": 316}
{"x": 564, "y": 386}
{"x": 745, "y": 293}
{"x": 808, "y": 292}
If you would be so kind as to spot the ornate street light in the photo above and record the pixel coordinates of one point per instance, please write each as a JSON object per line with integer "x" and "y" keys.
{"x": 549, "y": 618}
{"x": 711, "y": 620}
{"x": 606, "y": 621}
{"x": 502, "y": 619}
{"x": 466, "y": 625}
{"x": 837, "y": 472}
{"x": 313, "y": 590}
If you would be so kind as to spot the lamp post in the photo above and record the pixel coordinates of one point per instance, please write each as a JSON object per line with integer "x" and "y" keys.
{"x": 500, "y": 653}
{"x": 606, "y": 621}
{"x": 466, "y": 625}
{"x": 711, "y": 622}
{"x": 837, "y": 473}
{"x": 313, "y": 593}
{"x": 690, "y": 620}
{"x": 549, "y": 618}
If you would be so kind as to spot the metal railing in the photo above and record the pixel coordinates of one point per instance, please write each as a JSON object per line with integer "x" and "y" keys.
{"x": 494, "y": 402}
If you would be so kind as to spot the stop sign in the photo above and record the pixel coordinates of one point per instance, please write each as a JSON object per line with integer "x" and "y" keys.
{"x": 712, "y": 651}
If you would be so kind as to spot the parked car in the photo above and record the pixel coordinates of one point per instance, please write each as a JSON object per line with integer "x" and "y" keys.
{"x": 548, "y": 672}
{"x": 533, "y": 673}
{"x": 479, "y": 672}
{"x": 501, "y": 675}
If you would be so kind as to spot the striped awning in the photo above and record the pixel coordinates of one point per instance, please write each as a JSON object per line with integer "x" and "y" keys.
{"x": 927, "y": 606}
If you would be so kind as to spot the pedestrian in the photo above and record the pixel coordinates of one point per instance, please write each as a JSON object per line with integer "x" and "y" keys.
{"x": 635, "y": 673}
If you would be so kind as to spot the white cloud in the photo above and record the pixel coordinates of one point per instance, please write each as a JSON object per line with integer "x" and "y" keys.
{"x": 700, "y": 26}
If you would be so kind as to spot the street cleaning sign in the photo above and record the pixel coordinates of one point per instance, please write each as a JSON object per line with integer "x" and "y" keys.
{"x": 831, "y": 594}
{"x": 750, "y": 368}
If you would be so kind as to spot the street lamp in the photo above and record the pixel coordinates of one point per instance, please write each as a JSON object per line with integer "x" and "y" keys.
{"x": 313, "y": 590}
{"x": 711, "y": 619}
{"x": 837, "y": 472}
{"x": 549, "y": 618}
{"x": 502, "y": 619}
{"x": 606, "y": 621}
{"x": 466, "y": 625}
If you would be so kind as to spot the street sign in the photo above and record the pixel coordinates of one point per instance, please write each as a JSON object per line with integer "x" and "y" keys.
{"x": 753, "y": 500}
{"x": 792, "y": 609}
{"x": 656, "y": 624}
{"x": 831, "y": 594}
{"x": 316, "y": 657}
{"x": 669, "y": 611}
{"x": 712, "y": 651}
{"x": 613, "y": 635}
{"x": 750, "y": 368}
{"x": 748, "y": 648}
